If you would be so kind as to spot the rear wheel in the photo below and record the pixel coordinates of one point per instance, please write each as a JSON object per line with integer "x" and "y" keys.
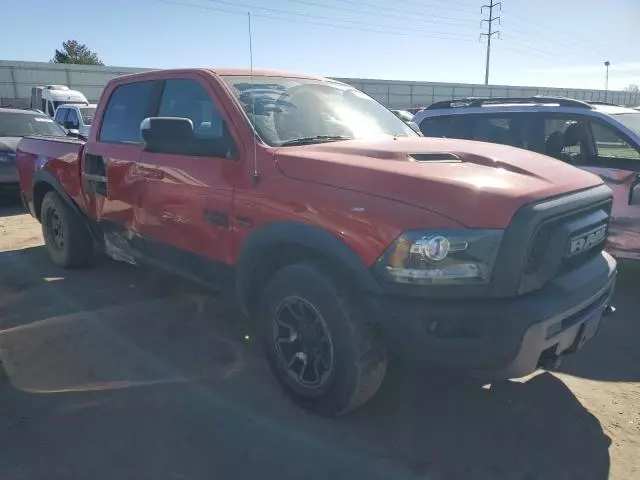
{"x": 65, "y": 233}
{"x": 318, "y": 346}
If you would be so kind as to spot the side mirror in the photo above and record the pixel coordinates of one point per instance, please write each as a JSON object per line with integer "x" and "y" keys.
{"x": 74, "y": 133}
{"x": 166, "y": 134}
{"x": 634, "y": 192}
{"x": 414, "y": 126}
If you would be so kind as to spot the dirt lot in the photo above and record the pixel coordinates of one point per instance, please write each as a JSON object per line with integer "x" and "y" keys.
{"x": 118, "y": 372}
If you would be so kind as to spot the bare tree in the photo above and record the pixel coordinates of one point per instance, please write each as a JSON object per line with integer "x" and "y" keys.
{"x": 633, "y": 88}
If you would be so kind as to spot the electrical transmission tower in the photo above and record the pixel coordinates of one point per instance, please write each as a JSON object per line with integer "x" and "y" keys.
{"x": 490, "y": 31}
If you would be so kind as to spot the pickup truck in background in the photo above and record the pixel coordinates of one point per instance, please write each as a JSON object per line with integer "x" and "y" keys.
{"x": 341, "y": 232}
{"x": 76, "y": 119}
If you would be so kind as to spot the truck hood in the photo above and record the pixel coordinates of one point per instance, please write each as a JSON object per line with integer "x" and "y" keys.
{"x": 474, "y": 183}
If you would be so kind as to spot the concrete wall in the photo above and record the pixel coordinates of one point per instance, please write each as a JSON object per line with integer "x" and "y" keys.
{"x": 17, "y": 78}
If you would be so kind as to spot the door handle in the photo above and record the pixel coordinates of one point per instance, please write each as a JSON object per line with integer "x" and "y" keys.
{"x": 151, "y": 173}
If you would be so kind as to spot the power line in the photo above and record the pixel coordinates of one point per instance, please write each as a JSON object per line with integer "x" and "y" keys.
{"x": 389, "y": 9}
{"x": 320, "y": 17}
{"x": 490, "y": 32}
{"x": 577, "y": 40}
{"x": 397, "y": 32}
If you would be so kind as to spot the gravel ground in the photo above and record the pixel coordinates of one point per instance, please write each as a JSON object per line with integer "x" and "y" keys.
{"x": 122, "y": 372}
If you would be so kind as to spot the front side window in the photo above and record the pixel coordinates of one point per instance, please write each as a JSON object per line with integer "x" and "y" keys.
{"x": 72, "y": 118}
{"x": 293, "y": 111}
{"x": 61, "y": 115}
{"x": 186, "y": 98}
{"x": 611, "y": 145}
{"x": 21, "y": 124}
{"x": 126, "y": 109}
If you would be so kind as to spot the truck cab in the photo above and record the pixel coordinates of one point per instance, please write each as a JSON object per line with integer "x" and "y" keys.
{"x": 48, "y": 98}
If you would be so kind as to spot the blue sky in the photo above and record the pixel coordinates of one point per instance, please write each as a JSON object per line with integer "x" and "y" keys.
{"x": 559, "y": 43}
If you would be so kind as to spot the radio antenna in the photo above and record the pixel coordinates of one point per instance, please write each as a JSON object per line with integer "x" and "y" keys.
{"x": 255, "y": 175}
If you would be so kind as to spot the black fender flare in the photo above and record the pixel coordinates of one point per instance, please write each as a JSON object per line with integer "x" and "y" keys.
{"x": 44, "y": 176}
{"x": 304, "y": 235}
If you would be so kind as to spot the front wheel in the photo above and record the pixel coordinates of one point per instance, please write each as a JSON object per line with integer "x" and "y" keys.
{"x": 327, "y": 359}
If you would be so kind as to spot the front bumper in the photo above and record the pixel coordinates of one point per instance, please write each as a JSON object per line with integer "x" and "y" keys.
{"x": 500, "y": 338}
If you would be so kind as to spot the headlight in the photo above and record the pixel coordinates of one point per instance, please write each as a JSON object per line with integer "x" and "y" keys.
{"x": 441, "y": 257}
{"x": 7, "y": 158}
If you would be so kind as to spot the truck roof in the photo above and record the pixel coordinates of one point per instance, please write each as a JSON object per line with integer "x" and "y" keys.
{"x": 230, "y": 72}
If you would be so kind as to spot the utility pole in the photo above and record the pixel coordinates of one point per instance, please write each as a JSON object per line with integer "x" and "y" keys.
{"x": 490, "y": 32}
{"x": 606, "y": 80}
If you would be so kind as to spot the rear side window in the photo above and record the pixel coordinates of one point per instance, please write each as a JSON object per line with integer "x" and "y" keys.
{"x": 444, "y": 126}
{"x": 514, "y": 130}
{"x": 125, "y": 111}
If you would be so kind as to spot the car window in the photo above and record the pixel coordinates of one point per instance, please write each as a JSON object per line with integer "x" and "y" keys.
{"x": 61, "y": 115}
{"x": 610, "y": 144}
{"x": 514, "y": 130}
{"x": 126, "y": 109}
{"x": 87, "y": 114}
{"x": 444, "y": 126}
{"x": 567, "y": 139}
{"x": 72, "y": 118}
{"x": 186, "y": 98}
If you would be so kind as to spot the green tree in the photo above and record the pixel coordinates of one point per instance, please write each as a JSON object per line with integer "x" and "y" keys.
{"x": 75, "y": 52}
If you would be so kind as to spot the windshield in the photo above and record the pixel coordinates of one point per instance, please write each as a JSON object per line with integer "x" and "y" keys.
{"x": 630, "y": 120}
{"x": 20, "y": 124}
{"x": 87, "y": 114}
{"x": 291, "y": 109}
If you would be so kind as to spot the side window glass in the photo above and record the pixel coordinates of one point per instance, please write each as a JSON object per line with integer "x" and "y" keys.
{"x": 125, "y": 111}
{"x": 72, "y": 117}
{"x": 610, "y": 144}
{"x": 439, "y": 127}
{"x": 61, "y": 115}
{"x": 186, "y": 98}
{"x": 507, "y": 130}
{"x": 566, "y": 139}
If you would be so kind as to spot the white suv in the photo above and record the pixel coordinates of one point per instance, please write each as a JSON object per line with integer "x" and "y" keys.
{"x": 601, "y": 138}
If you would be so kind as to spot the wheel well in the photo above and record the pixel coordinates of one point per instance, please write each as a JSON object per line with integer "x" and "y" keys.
{"x": 276, "y": 257}
{"x": 39, "y": 191}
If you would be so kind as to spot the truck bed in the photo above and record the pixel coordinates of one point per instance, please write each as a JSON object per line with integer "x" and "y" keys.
{"x": 37, "y": 156}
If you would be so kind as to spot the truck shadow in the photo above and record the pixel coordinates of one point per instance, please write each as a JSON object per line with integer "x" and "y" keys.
{"x": 442, "y": 425}
{"x": 423, "y": 424}
{"x": 613, "y": 354}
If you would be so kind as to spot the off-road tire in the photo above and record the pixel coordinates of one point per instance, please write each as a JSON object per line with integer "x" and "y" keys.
{"x": 359, "y": 356}
{"x": 77, "y": 245}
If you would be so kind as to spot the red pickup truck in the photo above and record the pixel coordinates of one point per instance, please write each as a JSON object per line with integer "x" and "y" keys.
{"x": 341, "y": 231}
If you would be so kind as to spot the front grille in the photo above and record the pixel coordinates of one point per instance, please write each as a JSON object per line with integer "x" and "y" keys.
{"x": 539, "y": 246}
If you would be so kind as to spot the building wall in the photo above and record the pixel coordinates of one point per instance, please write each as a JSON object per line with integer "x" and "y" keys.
{"x": 17, "y": 78}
